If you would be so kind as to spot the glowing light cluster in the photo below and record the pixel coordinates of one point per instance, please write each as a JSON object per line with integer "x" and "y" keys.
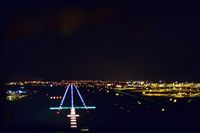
{"x": 55, "y": 97}
{"x": 73, "y": 115}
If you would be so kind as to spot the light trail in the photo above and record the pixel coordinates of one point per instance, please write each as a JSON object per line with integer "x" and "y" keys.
{"x": 80, "y": 97}
{"x": 72, "y": 96}
{"x": 76, "y": 107}
{"x": 64, "y": 96}
{"x": 72, "y": 114}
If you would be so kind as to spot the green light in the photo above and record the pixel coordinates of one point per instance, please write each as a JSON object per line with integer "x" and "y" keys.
{"x": 77, "y": 107}
{"x": 59, "y": 132}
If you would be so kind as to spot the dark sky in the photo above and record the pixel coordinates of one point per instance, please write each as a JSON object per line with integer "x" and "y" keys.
{"x": 123, "y": 40}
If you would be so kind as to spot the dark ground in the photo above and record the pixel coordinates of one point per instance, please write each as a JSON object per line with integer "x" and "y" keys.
{"x": 113, "y": 114}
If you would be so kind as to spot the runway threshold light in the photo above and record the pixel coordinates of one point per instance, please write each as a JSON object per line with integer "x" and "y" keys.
{"x": 73, "y": 116}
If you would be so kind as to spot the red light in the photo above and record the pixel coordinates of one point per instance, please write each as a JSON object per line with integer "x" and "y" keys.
{"x": 57, "y": 112}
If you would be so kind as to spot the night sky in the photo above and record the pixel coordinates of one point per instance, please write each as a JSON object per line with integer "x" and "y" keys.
{"x": 117, "y": 40}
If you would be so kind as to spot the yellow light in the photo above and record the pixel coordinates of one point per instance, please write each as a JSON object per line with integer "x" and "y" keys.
{"x": 162, "y": 109}
{"x": 117, "y": 94}
{"x": 109, "y": 84}
{"x": 118, "y": 86}
{"x": 175, "y": 100}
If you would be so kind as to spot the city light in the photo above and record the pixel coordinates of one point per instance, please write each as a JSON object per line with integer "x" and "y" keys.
{"x": 117, "y": 94}
{"x": 175, "y": 100}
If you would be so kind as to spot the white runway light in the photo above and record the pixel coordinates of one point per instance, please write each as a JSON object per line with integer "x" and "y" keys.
{"x": 73, "y": 116}
{"x": 63, "y": 99}
{"x": 80, "y": 97}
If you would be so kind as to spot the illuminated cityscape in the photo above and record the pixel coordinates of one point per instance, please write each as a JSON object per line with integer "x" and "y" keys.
{"x": 77, "y": 104}
{"x": 146, "y": 88}
{"x": 117, "y": 66}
